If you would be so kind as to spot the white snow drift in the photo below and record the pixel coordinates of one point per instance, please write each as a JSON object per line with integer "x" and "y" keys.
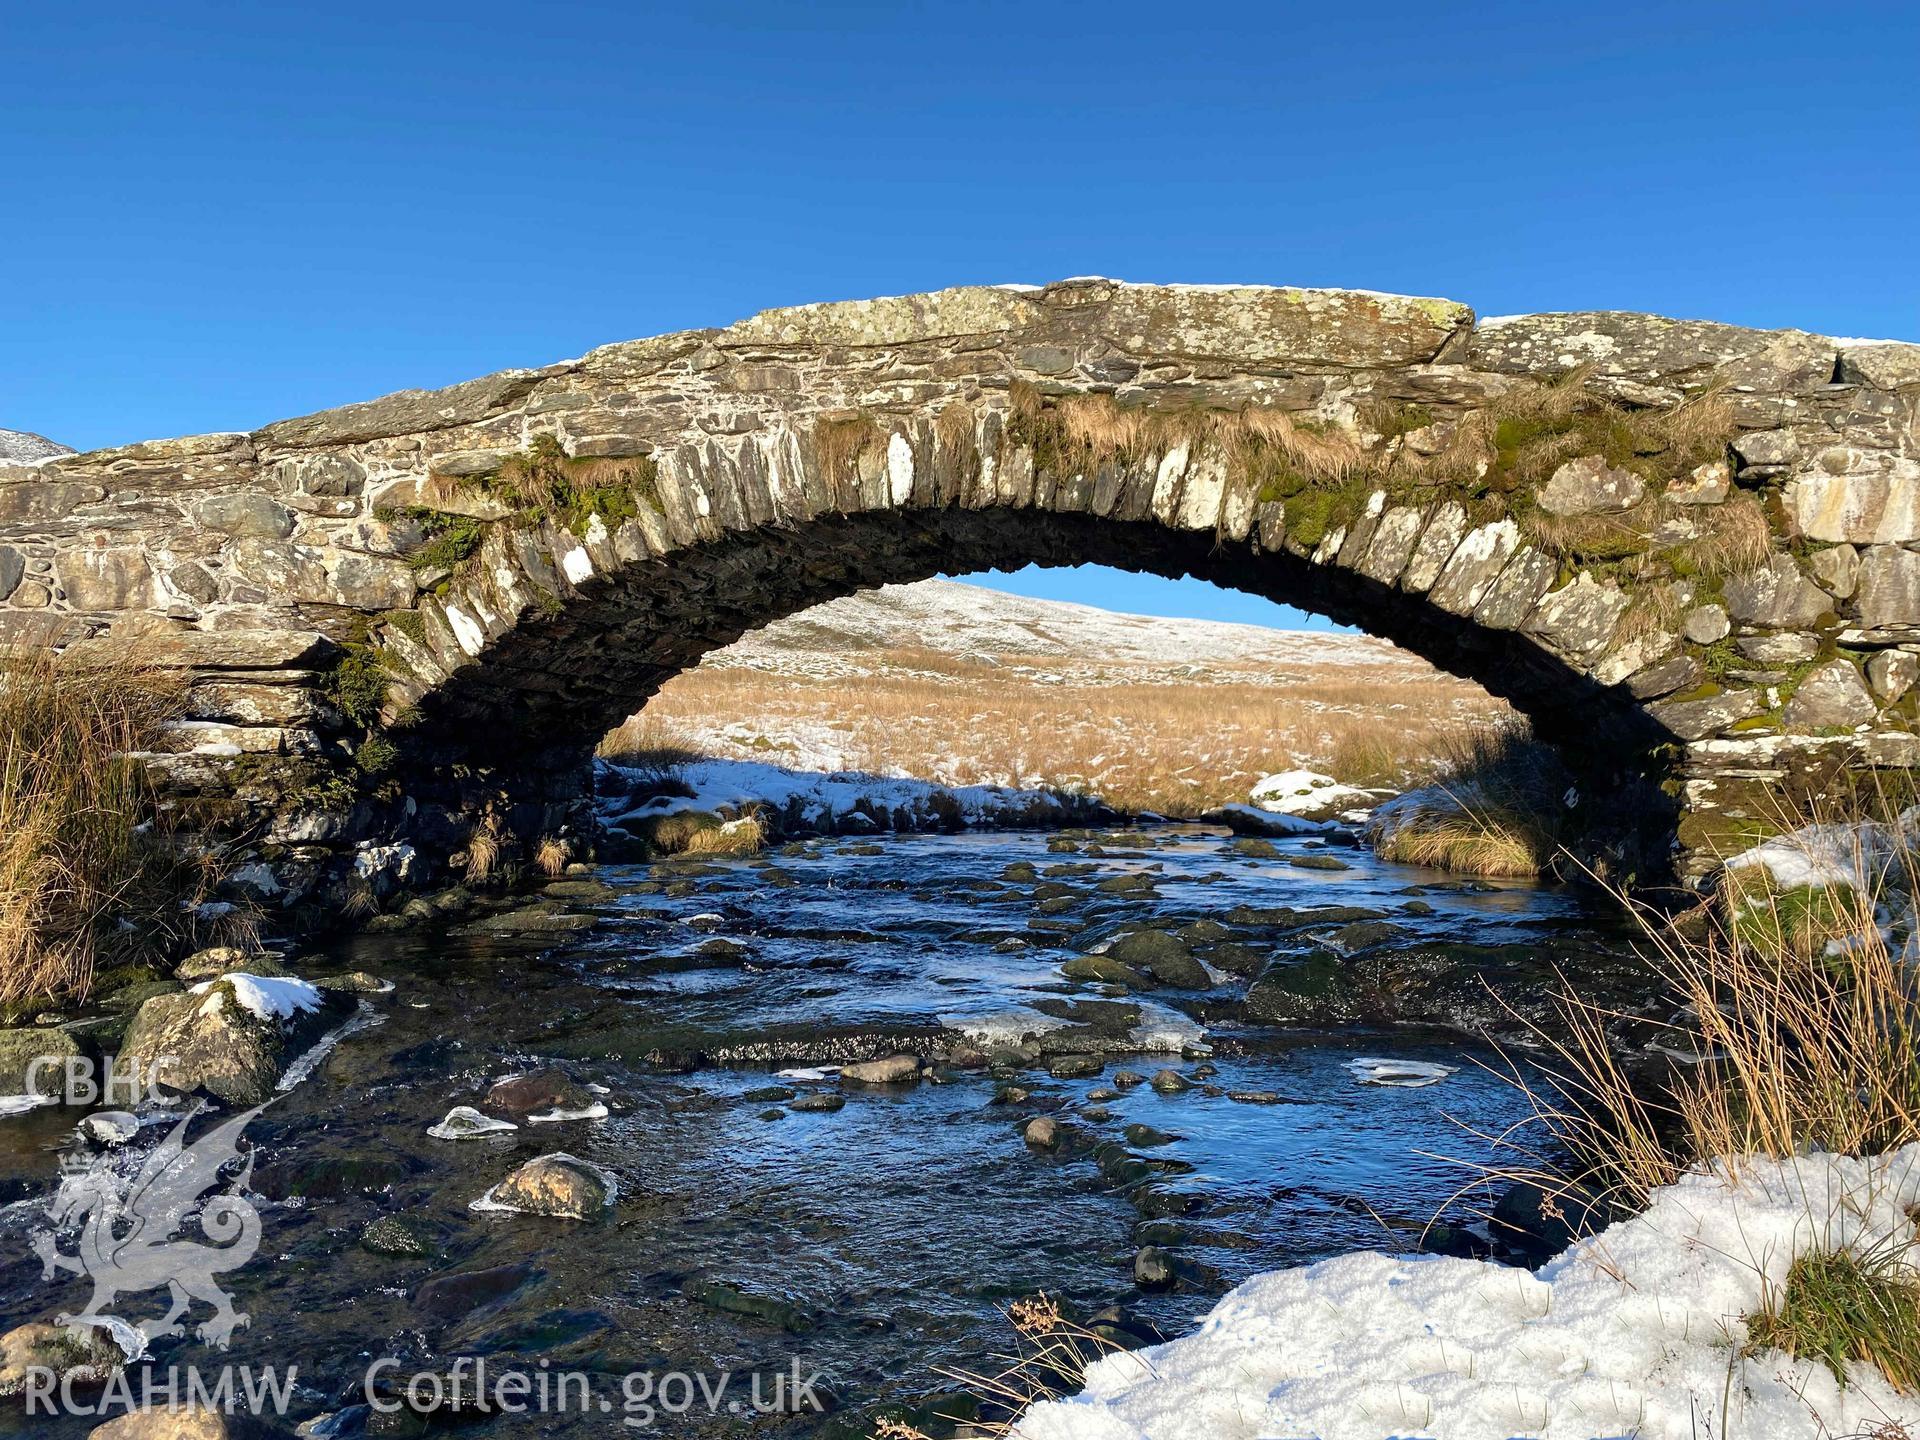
{"x": 1634, "y": 1332}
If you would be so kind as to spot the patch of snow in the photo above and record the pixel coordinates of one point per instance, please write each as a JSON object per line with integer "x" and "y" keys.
{"x": 271, "y": 997}
{"x": 1636, "y": 1331}
{"x": 957, "y": 618}
{"x": 110, "y": 1127}
{"x": 21, "y": 1104}
{"x": 808, "y": 1072}
{"x": 555, "y": 1116}
{"x": 1164, "y": 1030}
{"x": 1306, "y": 792}
{"x": 1866, "y": 856}
{"x": 1005, "y": 1027}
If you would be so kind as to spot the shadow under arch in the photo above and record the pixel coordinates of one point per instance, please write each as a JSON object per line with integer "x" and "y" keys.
{"x": 528, "y": 713}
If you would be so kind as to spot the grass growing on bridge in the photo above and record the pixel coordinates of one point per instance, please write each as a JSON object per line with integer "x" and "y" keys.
{"x": 77, "y": 848}
{"x": 1493, "y": 458}
{"x": 544, "y": 483}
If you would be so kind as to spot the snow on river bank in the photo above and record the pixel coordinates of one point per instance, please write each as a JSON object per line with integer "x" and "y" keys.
{"x": 839, "y": 801}
{"x": 1637, "y": 1331}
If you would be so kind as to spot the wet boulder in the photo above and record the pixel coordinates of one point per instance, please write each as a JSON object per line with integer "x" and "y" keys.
{"x": 1314, "y": 860}
{"x": 1075, "y": 1065}
{"x": 543, "y": 1092}
{"x": 736, "y": 1300}
{"x": 1106, "y": 970}
{"x": 1537, "y": 1225}
{"x": 398, "y": 1237}
{"x": 1286, "y": 917}
{"x": 558, "y": 1186}
{"x": 1500, "y": 991}
{"x": 220, "y": 960}
{"x": 453, "y": 1296}
{"x": 230, "y": 1036}
{"x": 83, "y": 1354}
{"x": 1163, "y": 955}
{"x": 21, "y": 1048}
{"x": 1360, "y": 935}
{"x": 894, "y": 1070}
{"x": 1245, "y": 961}
{"x": 1253, "y": 847}
{"x": 1312, "y": 989}
{"x": 186, "y": 1421}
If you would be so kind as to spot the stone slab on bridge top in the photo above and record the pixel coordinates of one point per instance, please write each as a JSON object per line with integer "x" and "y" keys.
{"x": 1687, "y": 547}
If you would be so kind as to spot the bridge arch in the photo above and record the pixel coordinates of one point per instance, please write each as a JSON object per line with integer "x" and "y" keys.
{"x": 1680, "y": 548}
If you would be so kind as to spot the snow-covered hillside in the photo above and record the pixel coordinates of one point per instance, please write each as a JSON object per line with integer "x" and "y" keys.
{"x": 22, "y": 447}
{"x": 871, "y": 631}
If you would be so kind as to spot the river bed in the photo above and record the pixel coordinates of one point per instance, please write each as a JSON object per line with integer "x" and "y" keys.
{"x": 876, "y": 1243}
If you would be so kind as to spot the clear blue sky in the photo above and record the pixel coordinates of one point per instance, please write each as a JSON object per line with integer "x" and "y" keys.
{"x": 219, "y": 215}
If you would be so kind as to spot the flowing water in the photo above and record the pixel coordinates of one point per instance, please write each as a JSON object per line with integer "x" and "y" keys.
{"x": 876, "y": 1243}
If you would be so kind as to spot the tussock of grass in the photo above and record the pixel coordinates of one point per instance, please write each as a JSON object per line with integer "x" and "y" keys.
{"x": 1372, "y": 757}
{"x": 1496, "y": 808}
{"x": 841, "y": 441}
{"x": 552, "y": 855}
{"x": 1839, "y": 1307}
{"x": 1479, "y": 840}
{"x": 541, "y": 483}
{"x": 486, "y": 849}
{"x": 77, "y": 848}
{"x": 1796, "y": 1020}
{"x": 745, "y": 835}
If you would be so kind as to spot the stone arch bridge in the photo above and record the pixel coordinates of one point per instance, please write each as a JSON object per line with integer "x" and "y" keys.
{"x": 1686, "y": 550}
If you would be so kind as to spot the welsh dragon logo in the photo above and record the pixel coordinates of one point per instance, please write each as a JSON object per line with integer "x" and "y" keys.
{"x": 126, "y": 1231}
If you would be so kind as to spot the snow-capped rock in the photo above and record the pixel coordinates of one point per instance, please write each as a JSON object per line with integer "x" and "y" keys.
{"x": 23, "y": 447}
{"x": 1309, "y": 795}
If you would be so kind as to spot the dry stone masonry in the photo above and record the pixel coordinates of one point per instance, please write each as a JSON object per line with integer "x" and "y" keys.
{"x": 1686, "y": 550}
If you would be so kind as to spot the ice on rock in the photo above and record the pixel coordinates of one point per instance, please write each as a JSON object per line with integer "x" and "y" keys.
{"x": 1398, "y": 1074}
{"x": 463, "y": 1122}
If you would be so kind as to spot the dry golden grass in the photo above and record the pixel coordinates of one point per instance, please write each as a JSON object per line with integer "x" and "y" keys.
{"x": 1049, "y": 1361}
{"x": 1515, "y": 441}
{"x": 1797, "y": 1027}
{"x": 1090, "y": 430}
{"x": 745, "y": 835}
{"x": 484, "y": 852}
{"x": 74, "y": 857}
{"x": 551, "y": 855}
{"x": 1499, "y": 806}
{"x": 1476, "y": 841}
{"x": 1176, "y": 748}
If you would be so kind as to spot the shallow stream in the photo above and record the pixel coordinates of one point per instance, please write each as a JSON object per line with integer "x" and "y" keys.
{"x": 875, "y": 1243}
